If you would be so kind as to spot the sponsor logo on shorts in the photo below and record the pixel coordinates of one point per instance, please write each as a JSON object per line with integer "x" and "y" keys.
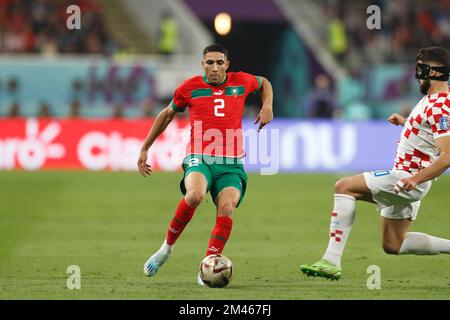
{"x": 380, "y": 173}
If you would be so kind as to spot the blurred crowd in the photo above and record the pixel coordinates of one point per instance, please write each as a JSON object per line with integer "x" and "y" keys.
{"x": 39, "y": 26}
{"x": 406, "y": 25}
{"x": 12, "y": 103}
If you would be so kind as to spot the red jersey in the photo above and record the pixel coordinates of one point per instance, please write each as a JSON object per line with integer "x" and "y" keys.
{"x": 215, "y": 112}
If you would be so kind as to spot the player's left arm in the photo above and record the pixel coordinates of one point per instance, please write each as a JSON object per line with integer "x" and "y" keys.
{"x": 397, "y": 119}
{"x": 438, "y": 167}
{"x": 266, "y": 113}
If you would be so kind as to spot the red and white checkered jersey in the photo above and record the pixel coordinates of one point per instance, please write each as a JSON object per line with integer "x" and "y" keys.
{"x": 428, "y": 121}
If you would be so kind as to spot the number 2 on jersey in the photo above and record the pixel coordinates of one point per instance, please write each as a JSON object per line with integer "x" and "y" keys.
{"x": 221, "y": 105}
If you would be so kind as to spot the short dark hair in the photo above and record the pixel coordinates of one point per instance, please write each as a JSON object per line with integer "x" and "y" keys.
{"x": 434, "y": 54}
{"x": 216, "y": 48}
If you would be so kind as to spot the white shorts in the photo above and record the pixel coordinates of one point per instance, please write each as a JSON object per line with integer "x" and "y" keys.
{"x": 404, "y": 205}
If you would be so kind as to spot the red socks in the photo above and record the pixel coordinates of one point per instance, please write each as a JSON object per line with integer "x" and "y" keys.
{"x": 219, "y": 235}
{"x": 182, "y": 216}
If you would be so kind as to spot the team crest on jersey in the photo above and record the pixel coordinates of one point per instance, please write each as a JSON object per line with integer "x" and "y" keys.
{"x": 443, "y": 123}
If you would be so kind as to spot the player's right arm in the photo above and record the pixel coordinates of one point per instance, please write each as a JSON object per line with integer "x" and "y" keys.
{"x": 397, "y": 119}
{"x": 161, "y": 122}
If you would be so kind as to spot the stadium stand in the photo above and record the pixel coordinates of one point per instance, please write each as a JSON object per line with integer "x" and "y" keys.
{"x": 40, "y": 27}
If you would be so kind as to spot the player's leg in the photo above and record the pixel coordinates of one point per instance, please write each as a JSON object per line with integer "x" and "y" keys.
{"x": 397, "y": 214}
{"x": 397, "y": 239}
{"x": 195, "y": 185}
{"x": 347, "y": 191}
{"x": 423, "y": 244}
{"x": 227, "y": 191}
{"x": 354, "y": 186}
{"x": 393, "y": 233}
{"x": 226, "y": 201}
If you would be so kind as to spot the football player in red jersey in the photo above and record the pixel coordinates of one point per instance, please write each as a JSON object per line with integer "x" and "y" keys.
{"x": 215, "y": 102}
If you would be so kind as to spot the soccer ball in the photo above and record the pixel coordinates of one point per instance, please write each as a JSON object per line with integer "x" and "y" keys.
{"x": 216, "y": 271}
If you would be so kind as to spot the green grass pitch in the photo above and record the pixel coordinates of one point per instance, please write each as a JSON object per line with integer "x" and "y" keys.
{"x": 109, "y": 223}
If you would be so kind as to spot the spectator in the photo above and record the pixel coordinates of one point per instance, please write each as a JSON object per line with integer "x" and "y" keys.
{"x": 168, "y": 34}
{"x": 44, "y": 110}
{"x": 118, "y": 111}
{"x": 321, "y": 101}
{"x": 14, "y": 110}
{"x": 77, "y": 89}
{"x": 337, "y": 38}
{"x": 13, "y": 88}
{"x": 75, "y": 109}
{"x": 13, "y": 96}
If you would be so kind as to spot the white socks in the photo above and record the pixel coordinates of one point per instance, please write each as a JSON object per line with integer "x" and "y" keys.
{"x": 166, "y": 248}
{"x": 421, "y": 243}
{"x": 342, "y": 219}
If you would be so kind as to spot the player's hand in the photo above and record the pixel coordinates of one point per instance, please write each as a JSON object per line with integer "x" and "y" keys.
{"x": 406, "y": 184}
{"x": 396, "y": 119}
{"x": 264, "y": 117}
{"x": 144, "y": 168}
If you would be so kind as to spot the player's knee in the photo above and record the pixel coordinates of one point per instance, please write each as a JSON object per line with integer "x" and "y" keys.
{"x": 390, "y": 248}
{"x": 342, "y": 186}
{"x": 226, "y": 208}
{"x": 194, "y": 198}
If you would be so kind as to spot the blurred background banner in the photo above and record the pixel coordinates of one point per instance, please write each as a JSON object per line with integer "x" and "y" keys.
{"x": 288, "y": 146}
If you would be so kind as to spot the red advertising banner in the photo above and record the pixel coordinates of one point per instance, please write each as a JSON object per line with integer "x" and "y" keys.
{"x": 34, "y": 144}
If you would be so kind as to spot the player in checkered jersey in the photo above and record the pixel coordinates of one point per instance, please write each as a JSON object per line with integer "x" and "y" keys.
{"x": 422, "y": 155}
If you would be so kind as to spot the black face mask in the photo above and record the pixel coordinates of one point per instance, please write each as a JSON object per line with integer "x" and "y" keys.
{"x": 423, "y": 72}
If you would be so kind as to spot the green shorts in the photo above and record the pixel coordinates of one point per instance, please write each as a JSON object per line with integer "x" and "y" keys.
{"x": 219, "y": 172}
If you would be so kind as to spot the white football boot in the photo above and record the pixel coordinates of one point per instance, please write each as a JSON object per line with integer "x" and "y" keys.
{"x": 155, "y": 262}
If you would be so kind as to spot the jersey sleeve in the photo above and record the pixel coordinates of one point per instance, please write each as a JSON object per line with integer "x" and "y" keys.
{"x": 179, "y": 101}
{"x": 438, "y": 119}
{"x": 253, "y": 83}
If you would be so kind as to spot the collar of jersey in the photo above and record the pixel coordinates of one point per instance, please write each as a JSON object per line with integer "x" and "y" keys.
{"x": 438, "y": 94}
{"x": 215, "y": 85}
